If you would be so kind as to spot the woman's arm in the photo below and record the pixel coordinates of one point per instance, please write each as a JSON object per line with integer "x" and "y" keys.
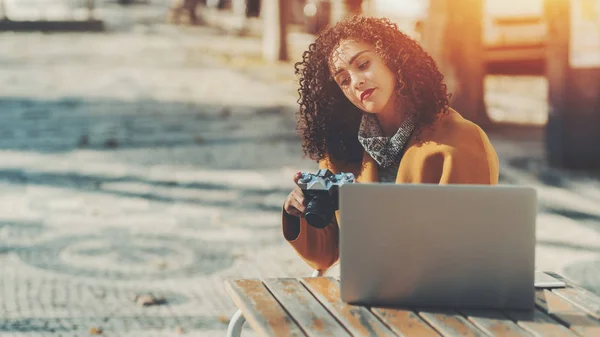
{"x": 318, "y": 247}
{"x": 475, "y": 163}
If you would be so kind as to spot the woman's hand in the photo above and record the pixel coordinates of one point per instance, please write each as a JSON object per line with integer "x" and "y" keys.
{"x": 295, "y": 202}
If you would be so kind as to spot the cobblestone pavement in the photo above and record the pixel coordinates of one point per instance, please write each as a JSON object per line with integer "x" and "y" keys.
{"x": 134, "y": 163}
{"x": 144, "y": 162}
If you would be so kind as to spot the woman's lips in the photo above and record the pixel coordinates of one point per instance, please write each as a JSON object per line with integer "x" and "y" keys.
{"x": 366, "y": 94}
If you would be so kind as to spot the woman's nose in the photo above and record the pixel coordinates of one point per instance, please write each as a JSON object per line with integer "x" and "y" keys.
{"x": 359, "y": 81}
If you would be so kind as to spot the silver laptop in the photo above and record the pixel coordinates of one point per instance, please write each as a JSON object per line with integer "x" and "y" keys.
{"x": 442, "y": 246}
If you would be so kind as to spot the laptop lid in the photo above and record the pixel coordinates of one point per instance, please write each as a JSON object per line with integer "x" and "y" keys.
{"x": 458, "y": 246}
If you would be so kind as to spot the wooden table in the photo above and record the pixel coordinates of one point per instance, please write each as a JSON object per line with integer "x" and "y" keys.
{"x": 312, "y": 307}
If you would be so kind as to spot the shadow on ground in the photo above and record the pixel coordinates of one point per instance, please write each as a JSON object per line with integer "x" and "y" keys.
{"x": 192, "y": 133}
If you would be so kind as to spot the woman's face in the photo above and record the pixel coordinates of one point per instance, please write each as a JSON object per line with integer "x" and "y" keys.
{"x": 364, "y": 77}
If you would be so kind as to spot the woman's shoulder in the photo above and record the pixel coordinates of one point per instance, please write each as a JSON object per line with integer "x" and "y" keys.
{"x": 451, "y": 131}
{"x": 457, "y": 144}
{"x": 452, "y": 135}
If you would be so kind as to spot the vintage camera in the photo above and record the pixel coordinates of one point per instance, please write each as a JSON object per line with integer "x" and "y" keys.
{"x": 322, "y": 193}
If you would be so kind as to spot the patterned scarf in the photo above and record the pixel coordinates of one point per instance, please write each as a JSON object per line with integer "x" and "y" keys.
{"x": 384, "y": 150}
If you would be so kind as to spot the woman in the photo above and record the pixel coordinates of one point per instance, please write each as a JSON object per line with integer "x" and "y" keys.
{"x": 373, "y": 103}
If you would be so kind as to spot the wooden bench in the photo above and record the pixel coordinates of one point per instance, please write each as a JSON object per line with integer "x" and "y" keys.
{"x": 312, "y": 306}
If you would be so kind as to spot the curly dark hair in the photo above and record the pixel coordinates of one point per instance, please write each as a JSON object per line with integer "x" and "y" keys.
{"x": 328, "y": 122}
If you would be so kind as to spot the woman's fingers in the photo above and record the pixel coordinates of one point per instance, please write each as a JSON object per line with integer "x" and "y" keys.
{"x": 297, "y": 176}
{"x": 292, "y": 207}
{"x": 299, "y": 202}
{"x": 295, "y": 212}
{"x": 294, "y": 204}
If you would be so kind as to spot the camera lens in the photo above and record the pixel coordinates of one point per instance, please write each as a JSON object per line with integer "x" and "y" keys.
{"x": 319, "y": 211}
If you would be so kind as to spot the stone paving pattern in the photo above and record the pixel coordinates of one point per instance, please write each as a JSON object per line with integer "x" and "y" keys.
{"x": 153, "y": 160}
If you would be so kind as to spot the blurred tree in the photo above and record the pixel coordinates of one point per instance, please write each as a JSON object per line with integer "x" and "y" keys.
{"x": 252, "y": 8}
{"x": 90, "y": 6}
{"x": 2, "y": 11}
{"x": 354, "y": 6}
{"x": 275, "y": 19}
{"x": 317, "y": 16}
{"x": 573, "y": 72}
{"x": 343, "y": 8}
{"x": 453, "y": 37}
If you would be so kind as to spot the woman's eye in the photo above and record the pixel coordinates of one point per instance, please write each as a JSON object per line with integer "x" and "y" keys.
{"x": 345, "y": 81}
{"x": 363, "y": 65}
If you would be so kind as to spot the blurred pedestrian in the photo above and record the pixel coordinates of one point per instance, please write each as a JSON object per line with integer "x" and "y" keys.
{"x": 188, "y": 6}
{"x": 373, "y": 103}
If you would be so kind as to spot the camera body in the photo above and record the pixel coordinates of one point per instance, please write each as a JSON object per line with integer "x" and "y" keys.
{"x": 321, "y": 190}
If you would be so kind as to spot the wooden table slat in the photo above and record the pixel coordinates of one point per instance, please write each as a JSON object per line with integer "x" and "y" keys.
{"x": 450, "y": 323}
{"x": 494, "y": 323}
{"x": 312, "y": 307}
{"x": 304, "y": 308}
{"x": 581, "y": 299}
{"x": 405, "y": 322}
{"x": 539, "y": 324}
{"x": 578, "y": 296}
{"x": 261, "y": 310}
{"x": 357, "y": 319}
{"x": 567, "y": 313}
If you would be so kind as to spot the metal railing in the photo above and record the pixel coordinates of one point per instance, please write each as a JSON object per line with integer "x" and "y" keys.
{"x": 45, "y": 10}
